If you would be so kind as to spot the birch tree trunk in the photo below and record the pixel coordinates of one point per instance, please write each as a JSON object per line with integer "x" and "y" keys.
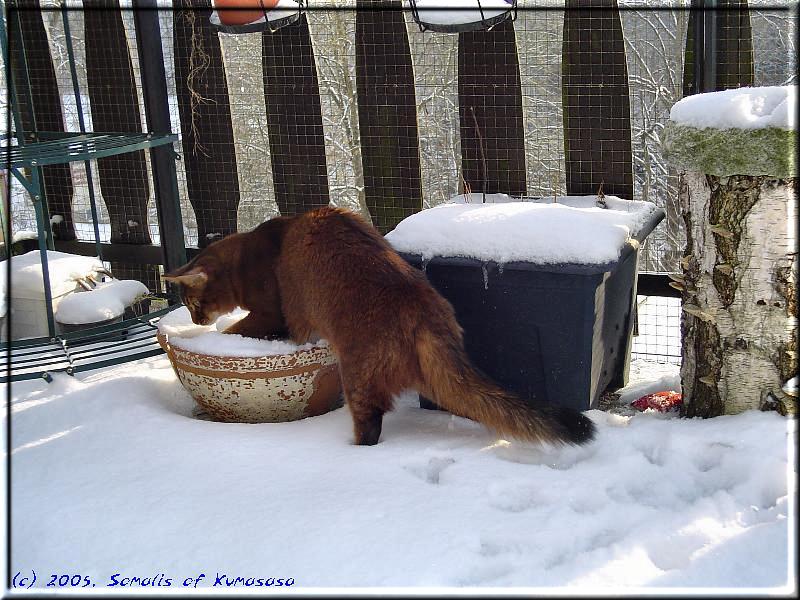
{"x": 739, "y": 304}
{"x": 739, "y": 270}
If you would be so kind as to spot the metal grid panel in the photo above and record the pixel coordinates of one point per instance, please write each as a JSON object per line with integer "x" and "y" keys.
{"x": 249, "y": 119}
{"x": 774, "y": 43}
{"x": 113, "y": 90}
{"x": 434, "y": 56}
{"x": 80, "y": 208}
{"x": 435, "y": 59}
{"x": 204, "y": 108}
{"x": 23, "y": 216}
{"x": 387, "y": 115}
{"x": 596, "y": 100}
{"x": 538, "y": 36}
{"x": 490, "y": 111}
{"x": 540, "y": 43}
{"x": 80, "y": 201}
{"x": 333, "y": 34}
{"x": 658, "y": 333}
{"x": 654, "y": 42}
{"x": 40, "y": 107}
{"x": 294, "y": 119}
{"x": 734, "y": 45}
{"x": 125, "y": 180}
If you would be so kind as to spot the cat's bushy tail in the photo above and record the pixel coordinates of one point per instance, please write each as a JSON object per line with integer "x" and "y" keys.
{"x": 459, "y": 388}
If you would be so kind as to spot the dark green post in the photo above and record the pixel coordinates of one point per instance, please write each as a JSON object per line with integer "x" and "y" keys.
{"x": 387, "y": 114}
{"x": 597, "y": 114}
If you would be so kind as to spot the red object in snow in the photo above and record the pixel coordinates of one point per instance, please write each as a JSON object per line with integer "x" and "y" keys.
{"x": 660, "y": 401}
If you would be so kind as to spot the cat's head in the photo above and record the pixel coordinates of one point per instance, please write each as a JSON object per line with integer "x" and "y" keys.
{"x": 205, "y": 289}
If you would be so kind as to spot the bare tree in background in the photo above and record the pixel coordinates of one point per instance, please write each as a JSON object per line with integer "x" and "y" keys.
{"x": 334, "y": 42}
{"x": 654, "y": 45}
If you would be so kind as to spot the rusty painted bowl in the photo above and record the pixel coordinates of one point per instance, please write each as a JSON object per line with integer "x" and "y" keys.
{"x": 263, "y": 389}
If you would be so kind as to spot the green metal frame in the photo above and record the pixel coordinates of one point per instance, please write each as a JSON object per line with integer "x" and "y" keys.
{"x": 25, "y": 160}
{"x": 82, "y": 126}
{"x": 58, "y": 147}
{"x": 83, "y": 350}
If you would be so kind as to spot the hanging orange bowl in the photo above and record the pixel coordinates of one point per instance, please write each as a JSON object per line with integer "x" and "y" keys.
{"x": 241, "y": 16}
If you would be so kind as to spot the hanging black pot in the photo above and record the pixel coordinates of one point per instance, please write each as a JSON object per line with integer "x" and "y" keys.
{"x": 457, "y": 16}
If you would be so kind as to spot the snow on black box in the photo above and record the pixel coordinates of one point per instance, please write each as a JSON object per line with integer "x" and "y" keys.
{"x": 544, "y": 288}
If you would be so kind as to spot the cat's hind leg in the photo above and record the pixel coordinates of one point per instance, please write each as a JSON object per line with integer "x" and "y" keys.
{"x": 367, "y": 403}
{"x": 367, "y": 425}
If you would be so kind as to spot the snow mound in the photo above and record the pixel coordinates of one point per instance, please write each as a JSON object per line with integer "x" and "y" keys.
{"x": 24, "y": 234}
{"x": 211, "y": 341}
{"x": 27, "y": 280}
{"x": 740, "y": 108}
{"x": 107, "y": 301}
{"x": 571, "y": 229}
{"x": 214, "y": 343}
{"x": 64, "y": 270}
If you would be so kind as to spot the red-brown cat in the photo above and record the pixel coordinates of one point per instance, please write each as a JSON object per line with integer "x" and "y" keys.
{"x": 330, "y": 273}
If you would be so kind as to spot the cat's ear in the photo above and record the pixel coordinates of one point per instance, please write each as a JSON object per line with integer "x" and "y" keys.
{"x": 194, "y": 278}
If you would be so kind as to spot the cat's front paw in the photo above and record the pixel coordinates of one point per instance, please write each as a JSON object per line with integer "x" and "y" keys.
{"x": 257, "y": 331}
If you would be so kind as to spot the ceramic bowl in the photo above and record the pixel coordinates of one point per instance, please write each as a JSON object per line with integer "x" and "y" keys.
{"x": 262, "y": 389}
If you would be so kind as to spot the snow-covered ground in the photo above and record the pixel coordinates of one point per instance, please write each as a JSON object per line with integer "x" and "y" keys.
{"x": 113, "y": 478}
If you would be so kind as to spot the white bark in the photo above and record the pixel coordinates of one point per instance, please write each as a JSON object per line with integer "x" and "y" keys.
{"x": 737, "y": 295}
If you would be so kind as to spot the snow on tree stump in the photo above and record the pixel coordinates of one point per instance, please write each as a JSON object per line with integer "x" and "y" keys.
{"x": 738, "y": 192}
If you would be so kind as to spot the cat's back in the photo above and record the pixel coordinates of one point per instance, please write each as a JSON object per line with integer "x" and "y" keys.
{"x": 339, "y": 226}
{"x": 334, "y": 233}
{"x": 340, "y": 246}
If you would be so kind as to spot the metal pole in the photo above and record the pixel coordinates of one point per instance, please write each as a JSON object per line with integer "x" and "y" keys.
{"x": 710, "y": 47}
{"x": 45, "y": 233}
{"x": 698, "y": 41}
{"x": 87, "y": 165}
{"x": 4, "y": 218}
{"x": 41, "y": 212}
{"x": 5, "y": 41}
{"x": 156, "y": 104}
{"x": 5, "y": 189}
{"x": 37, "y": 175}
{"x": 34, "y": 172}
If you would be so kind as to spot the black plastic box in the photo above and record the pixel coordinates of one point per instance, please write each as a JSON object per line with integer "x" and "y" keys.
{"x": 555, "y": 333}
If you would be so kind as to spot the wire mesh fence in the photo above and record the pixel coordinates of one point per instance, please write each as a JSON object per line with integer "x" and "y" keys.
{"x": 277, "y": 122}
{"x": 657, "y": 336}
{"x": 774, "y": 43}
{"x": 655, "y": 43}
